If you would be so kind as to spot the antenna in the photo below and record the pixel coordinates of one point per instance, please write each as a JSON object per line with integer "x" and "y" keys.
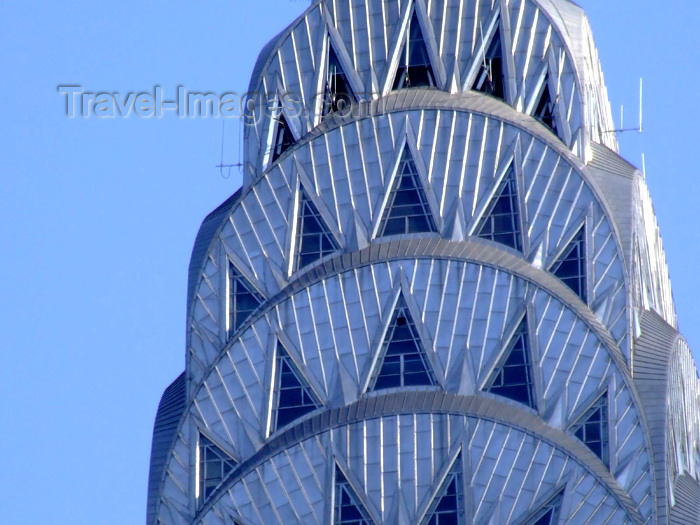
{"x": 640, "y": 104}
{"x": 221, "y": 164}
{"x": 622, "y": 127}
{"x": 622, "y": 116}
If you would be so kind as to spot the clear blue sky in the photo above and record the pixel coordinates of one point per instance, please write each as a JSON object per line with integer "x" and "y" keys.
{"x": 98, "y": 217}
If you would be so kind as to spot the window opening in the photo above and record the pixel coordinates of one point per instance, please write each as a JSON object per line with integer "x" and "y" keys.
{"x": 513, "y": 379}
{"x": 448, "y": 506}
{"x": 338, "y": 96}
{"x": 489, "y": 79}
{"x": 403, "y": 361}
{"x": 284, "y": 138}
{"x": 549, "y": 513}
{"x": 570, "y": 267}
{"x": 243, "y": 299}
{"x": 214, "y": 466}
{"x": 407, "y": 209}
{"x": 415, "y": 69}
{"x": 592, "y": 428}
{"x": 294, "y": 397}
{"x": 545, "y": 109}
{"x": 314, "y": 240}
{"x": 348, "y": 509}
{"x": 501, "y": 222}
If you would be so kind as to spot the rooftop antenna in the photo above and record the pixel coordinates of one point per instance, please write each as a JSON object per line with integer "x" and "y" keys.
{"x": 228, "y": 167}
{"x": 622, "y": 127}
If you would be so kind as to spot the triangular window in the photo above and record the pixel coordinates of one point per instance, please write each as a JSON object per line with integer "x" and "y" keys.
{"x": 283, "y": 137}
{"x": 570, "y": 267}
{"x": 338, "y": 96}
{"x": 348, "y": 509}
{"x": 415, "y": 69}
{"x": 592, "y": 428}
{"x": 403, "y": 361}
{"x": 544, "y": 112}
{"x": 293, "y": 395}
{"x": 549, "y": 513}
{"x": 513, "y": 378}
{"x": 243, "y": 299}
{"x": 489, "y": 78}
{"x": 214, "y": 466}
{"x": 501, "y": 222}
{"x": 314, "y": 240}
{"x": 448, "y": 506}
{"x": 407, "y": 209}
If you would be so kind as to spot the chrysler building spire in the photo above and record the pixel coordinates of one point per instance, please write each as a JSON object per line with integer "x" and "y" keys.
{"x": 440, "y": 295}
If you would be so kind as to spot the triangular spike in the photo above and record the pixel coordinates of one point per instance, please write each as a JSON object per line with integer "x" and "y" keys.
{"x": 314, "y": 238}
{"x": 570, "y": 267}
{"x": 283, "y": 137}
{"x": 456, "y": 225}
{"x": 348, "y": 509}
{"x": 448, "y": 505}
{"x": 592, "y": 428}
{"x": 346, "y": 389}
{"x": 548, "y": 514}
{"x": 293, "y": 395}
{"x": 407, "y": 209}
{"x": 251, "y": 432}
{"x": 402, "y": 513}
{"x": 338, "y": 96}
{"x": 415, "y": 68}
{"x": 403, "y": 361}
{"x": 501, "y": 221}
{"x": 361, "y": 237}
{"x": 544, "y": 112}
{"x": 489, "y": 78}
{"x": 243, "y": 299}
{"x": 513, "y": 378}
{"x": 274, "y": 277}
{"x": 214, "y": 466}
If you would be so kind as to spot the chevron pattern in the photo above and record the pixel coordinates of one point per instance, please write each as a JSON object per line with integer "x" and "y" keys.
{"x": 412, "y": 308}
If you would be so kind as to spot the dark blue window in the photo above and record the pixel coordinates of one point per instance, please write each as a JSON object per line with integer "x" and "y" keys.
{"x": 592, "y": 428}
{"x": 544, "y": 112}
{"x": 513, "y": 379}
{"x": 348, "y": 509}
{"x": 338, "y": 96}
{"x": 403, "y": 360}
{"x": 214, "y": 466}
{"x": 407, "y": 209}
{"x": 448, "y": 506}
{"x": 283, "y": 137}
{"x": 571, "y": 265}
{"x": 549, "y": 513}
{"x": 414, "y": 69}
{"x": 501, "y": 222}
{"x": 243, "y": 299}
{"x": 489, "y": 79}
{"x": 314, "y": 239}
{"x": 293, "y": 394}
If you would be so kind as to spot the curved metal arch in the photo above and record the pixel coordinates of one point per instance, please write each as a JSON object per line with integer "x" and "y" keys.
{"x": 430, "y": 402}
{"x": 475, "y": 251}
{"x": 468, "y": 102}
{"x": 275, "y": 44}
